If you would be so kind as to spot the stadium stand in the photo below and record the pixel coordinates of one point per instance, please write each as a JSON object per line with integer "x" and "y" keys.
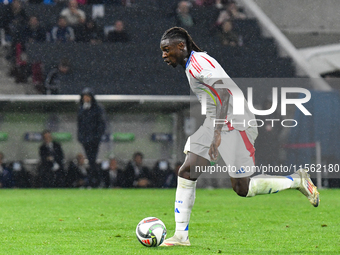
{"x": 136, "y": 67}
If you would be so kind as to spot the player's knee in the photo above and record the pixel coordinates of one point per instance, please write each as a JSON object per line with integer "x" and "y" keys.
{"x": 184, "y": 172}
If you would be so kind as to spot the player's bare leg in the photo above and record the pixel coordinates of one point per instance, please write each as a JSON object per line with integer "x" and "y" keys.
{"x": 240, "y": 185}
{"x": 265, "y": 184}
{"x": 185, "y": 199}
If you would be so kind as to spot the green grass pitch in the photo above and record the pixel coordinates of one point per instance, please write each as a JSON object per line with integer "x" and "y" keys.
{"x": 103, "y": 221}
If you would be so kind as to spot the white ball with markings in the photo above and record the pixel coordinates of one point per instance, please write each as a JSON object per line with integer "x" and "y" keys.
{"x": 151, "y": 232}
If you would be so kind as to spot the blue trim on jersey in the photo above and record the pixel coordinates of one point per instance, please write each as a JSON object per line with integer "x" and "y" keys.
{"x": 188, "y": 62}
{"x": 290, "y": 178}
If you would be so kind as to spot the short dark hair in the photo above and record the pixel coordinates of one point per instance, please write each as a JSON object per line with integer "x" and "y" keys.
{"x": 136, "y": 154}
{"x": 181, "y": 34}
{"x": 46, "y": 131}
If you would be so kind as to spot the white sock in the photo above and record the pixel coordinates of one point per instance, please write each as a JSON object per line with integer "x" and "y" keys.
{"x": 185, "y": 199}
{"x": 266, "y": 184}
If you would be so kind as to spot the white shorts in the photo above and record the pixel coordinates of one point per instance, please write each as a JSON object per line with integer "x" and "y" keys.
{"x": 236, "y": 148}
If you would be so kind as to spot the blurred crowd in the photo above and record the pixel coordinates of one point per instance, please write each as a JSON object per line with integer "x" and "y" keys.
{"x": 54, "y": 172}
{"x": 73, "y": 26}
{"x": 222, "y": 27}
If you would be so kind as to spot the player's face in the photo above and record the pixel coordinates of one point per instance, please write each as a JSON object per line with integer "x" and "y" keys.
{"x": 172, "y": 52}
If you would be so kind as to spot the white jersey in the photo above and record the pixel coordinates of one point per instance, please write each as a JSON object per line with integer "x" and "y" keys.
{"x": 202, "y": 72}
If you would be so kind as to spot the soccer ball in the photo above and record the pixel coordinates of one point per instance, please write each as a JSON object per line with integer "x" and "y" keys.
{"x": 151, "y": 232}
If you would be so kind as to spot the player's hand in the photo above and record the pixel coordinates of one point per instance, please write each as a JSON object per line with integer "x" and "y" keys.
{"x": 213, "y": 151}
{"x": 143, "y": 182}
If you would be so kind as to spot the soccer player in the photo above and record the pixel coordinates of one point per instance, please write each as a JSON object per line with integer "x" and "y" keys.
{"x": 235, "y": 143}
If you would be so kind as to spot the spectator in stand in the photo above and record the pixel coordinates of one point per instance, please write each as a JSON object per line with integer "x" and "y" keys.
{"x": 5, "y": 174}
{"x": 51, "y": 170}
{"x": 34, "y": 32}
{"x": 62, "y": 32}
{"x": 21, "y": 177}
{"x": 78, "y": 173}
{"x": 118, "y": 34}
{"x": 234, "y": 11}
{"x": 91, "y": 128}
{"x": 113, "y": 177}
{"x": 227, "y": 35}
{"x": 229, "y": 12}
{"x": 91, "y": 33}
{"x": 13, "y": 19}
{"x": 136, "y": 175}
{"x": 160, "y": 172}
{"x": 54, "y": 76}
{"x": 171, "y": 178}
{"x": 73, "y": 15}
{"x": 183, "y": 17}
